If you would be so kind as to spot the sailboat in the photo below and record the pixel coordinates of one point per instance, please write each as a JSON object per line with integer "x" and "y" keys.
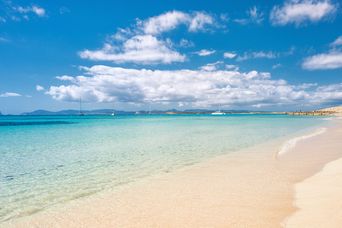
{"x": 81, "y": 112}
{"x": 218, "y": 113}
{"x": 113, "y": 113}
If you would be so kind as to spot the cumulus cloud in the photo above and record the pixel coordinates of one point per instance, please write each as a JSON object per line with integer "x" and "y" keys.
{"x": 331, "y": 60}
{"x": 205, "y": 52}
{"x": 197, "y": 88}
{"x": 301, "y": 11}
{"x": 229, "y": 55}
{"x": 142, "y": 49}
{"x": 10, "y": 94}
{"x": 144, "y": 43}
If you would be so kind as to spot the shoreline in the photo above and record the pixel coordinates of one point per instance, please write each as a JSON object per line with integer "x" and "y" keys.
{"x": 318, "y": 197}
{"x": 251, "y": 189}
{"x": 319, "y": 207}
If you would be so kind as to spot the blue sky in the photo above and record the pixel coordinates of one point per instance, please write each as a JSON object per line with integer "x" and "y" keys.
{"x": 260, "y": 55}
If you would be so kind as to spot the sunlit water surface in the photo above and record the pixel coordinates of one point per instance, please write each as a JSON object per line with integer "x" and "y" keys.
{"x": 49, "y": 160}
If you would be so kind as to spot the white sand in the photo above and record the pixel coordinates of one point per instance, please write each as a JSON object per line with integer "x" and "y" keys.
{"x": 319, "y": 199}
{"x": 253, "y": 188}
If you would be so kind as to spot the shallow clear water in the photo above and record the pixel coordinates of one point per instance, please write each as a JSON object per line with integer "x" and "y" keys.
{"x": 49, "y": 160}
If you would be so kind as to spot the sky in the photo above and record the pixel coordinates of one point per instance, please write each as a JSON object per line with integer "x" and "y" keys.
{"x": 132, "y": 54}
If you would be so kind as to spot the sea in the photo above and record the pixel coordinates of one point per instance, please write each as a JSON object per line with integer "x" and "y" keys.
{"x": 49, "y": 160}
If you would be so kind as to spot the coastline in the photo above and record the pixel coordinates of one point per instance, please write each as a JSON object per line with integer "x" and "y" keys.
{"x": 252, "y": 189}
{"x": 318, "y": 199}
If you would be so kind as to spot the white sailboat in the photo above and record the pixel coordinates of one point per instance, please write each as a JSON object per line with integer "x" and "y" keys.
{"x": 113, "y": 113}
{"x": 218, "y": 113}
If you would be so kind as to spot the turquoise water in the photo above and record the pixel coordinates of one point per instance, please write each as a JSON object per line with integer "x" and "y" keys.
{"x": 49, "y": 160}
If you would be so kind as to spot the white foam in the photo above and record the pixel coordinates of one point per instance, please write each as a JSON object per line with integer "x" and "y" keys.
{"x": 290, "y": 144}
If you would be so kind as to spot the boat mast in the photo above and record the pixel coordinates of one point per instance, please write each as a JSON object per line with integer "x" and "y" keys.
{"x": 81, "y": 113}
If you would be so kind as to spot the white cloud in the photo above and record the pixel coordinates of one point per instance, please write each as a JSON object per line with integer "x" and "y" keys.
{"x": 257, "y": 55}
{"x": 144, "y": 43}
{"x": 142, "y": 49}
{"x": 337, "y": 42}
{"x": 170, "y": 20}
{"x": 232, "y": 67}
{"x": 302, "y": 11}
{"x": 211, "y": 66}
{"x": 276, "y": 66}
{"x": 253, "y": 16}
{"x": 164, "y": 22}
{"x": 197, "y": 88}
{"x": 199, "y": 21}
{"x": 40, "y": 88}
{"x": 10, "y": 94}
{"x": 331, "y": 60}
{"x": 326, "y": 61}
{"x": 65, "y": 78}
{"x": 205, "y": 52}
{"x": 229, "y": 55}
{"x": 186, "y": 43}
{"x": 13, "y": 12}
{"x": 39, "y": 11}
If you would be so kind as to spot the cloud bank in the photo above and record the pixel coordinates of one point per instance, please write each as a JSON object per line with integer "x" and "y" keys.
{"x": 196, "y": 88}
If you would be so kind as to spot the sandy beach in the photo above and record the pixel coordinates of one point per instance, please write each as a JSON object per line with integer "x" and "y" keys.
{"x": 256, "y": 188}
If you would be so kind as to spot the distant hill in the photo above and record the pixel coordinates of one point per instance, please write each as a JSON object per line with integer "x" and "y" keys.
{"x": 75, "y": 112}
{"x": 337, "y": 110}
{"x": 119, "y": 112}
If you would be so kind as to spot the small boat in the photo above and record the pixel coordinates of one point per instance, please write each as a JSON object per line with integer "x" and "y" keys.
{"x": 218, "y": 113}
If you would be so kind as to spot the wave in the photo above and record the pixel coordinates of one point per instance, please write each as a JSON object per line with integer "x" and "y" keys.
{"x": 290, "y": 144}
